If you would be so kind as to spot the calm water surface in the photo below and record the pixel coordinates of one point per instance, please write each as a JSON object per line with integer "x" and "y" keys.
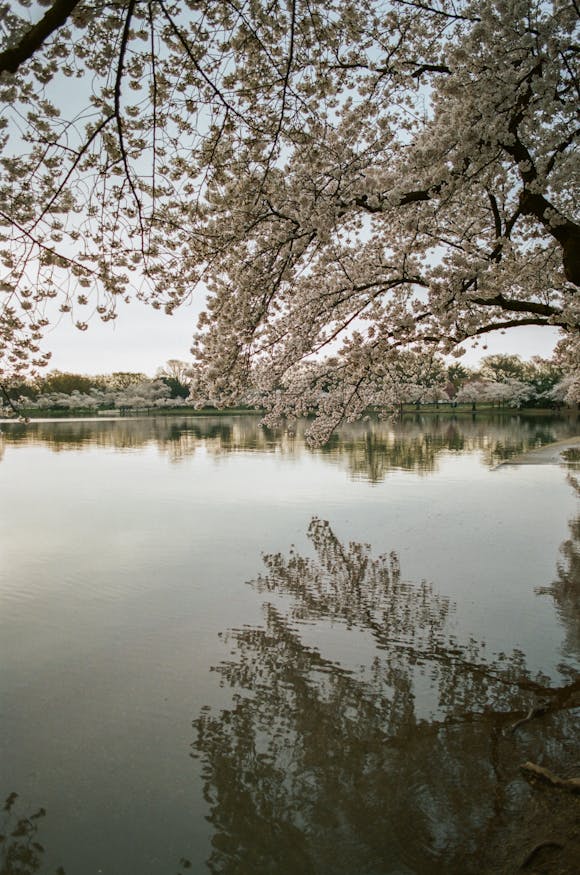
{"x": 224, "y": 652}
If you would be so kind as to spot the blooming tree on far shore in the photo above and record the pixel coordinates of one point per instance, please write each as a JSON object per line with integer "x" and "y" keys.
{"x": 511, "y": 393}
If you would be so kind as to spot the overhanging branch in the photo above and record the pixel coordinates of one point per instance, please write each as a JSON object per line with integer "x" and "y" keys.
{"x": 514, "y": 306}
{"x": 11, "y": 59}
{"x": 502, "y": 326}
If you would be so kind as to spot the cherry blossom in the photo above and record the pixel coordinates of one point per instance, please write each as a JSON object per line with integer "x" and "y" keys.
{"x": 351, "y": 182}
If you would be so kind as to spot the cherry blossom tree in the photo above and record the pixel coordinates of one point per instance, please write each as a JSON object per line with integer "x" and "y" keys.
{"x": 508, "y": 392}
{"x": 143, "y": 395}
{"x": 567, "y": 390}
{"x": 473, "y": 392}
{"x": 349, "y": 177}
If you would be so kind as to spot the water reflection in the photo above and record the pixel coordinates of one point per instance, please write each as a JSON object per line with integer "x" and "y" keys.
{"x": 409, "y": 764}
{"x": 21, "y": 852}
{"x": 565, "y": 590}
{"x": 369, "y": 450}
{"x": 22, "y": 849}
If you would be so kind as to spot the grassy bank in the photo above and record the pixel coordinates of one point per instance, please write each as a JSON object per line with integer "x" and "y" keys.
{"x": 35, "y": 413}
{"x": 468, "y": 410}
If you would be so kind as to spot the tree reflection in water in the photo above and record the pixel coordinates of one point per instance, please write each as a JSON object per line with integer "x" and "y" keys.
{"x": 369, "y": 451}
{"x": 21, "y": 852}
{"x": 321, "y": 768}
{"x": 565, "y": 590}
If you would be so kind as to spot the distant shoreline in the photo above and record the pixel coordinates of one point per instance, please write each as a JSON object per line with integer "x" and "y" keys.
{"x": 446, "y": 410}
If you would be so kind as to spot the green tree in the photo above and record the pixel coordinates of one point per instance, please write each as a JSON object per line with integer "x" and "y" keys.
{"x": 502, "y": 367}
{"x": 61, "y": 381}
{"x": 544, "y": 374}
{"x": 177, "y": 375}
{"x": 458, "y": 374}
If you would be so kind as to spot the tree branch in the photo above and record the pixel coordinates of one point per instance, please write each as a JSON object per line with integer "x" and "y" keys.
{"x": 501, "y": 326}
{"x": 496, "y": 215}
{"x": 516, "y": 306}
{"x": 455, "y": 16}
{"x": 118, "y": 116}
{"x": 533, "y": 203}
{"x": 11, "y": 59}
{"x": 430, "y": 68}
{"x": 566, "y": 232}
{"x": 8, "y": 399}
{"x": 197, "y": 66}
{"x": 560, "y": 149}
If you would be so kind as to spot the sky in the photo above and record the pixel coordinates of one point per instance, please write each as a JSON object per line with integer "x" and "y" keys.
{"x": 142, "y": 339}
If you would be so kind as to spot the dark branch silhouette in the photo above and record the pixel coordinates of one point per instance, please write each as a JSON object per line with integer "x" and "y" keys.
{"x": 13, "y": 57}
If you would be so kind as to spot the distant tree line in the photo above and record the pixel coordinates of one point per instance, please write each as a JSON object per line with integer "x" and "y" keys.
{"x": 120, "y": 390}
{"x": 507, "y": 380}
{"x": 500, "y": 380}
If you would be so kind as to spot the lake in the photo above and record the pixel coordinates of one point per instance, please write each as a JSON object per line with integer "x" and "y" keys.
{"x": 223, "y": 651}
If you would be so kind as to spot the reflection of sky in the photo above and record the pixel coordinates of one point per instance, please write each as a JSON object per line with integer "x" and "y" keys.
{"x": 484, "y": 538}
{"x": 120, "y": 572}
